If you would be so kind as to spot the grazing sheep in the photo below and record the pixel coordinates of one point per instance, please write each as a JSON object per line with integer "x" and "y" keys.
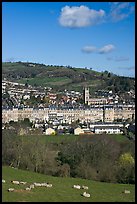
{"x": 27, "y": 189}
{"x": 86, "y": 194}
{"x": 23, "y": 182}
{"x": 126, "y": 191}
{"x": 32, "y": 186}
{"x": 85, "y": 187}
{"x": 3, "y": 181}
{"x": 49, "y": 185}
{"x": 15, "y": 182}
{"x": 10, "y": 189}
{"x": 37, "y": 184}
{"x": 44, "y": 184}
{"x": 76, "y": 186}
{"x": 14, "y": 167}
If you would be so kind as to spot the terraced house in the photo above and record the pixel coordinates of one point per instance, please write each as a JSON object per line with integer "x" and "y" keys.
{"x": 105, "y": 113}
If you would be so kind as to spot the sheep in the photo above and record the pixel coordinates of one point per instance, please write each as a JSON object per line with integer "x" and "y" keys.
{"x": 86, "y": 194}
{"x": 27, "y": 189}
{"x": 49, "y": 185}
{"x": 3, "y": 181}
{"x": 126, "y": 191}
{"x": 44, "y": 184}
{"x": 37, "y": 184}
{"x": 76, "y": 186}
{"x": 23, "y": 182}
{"x": 15, "y": 182}
{"x": 11, "y": 189}
{"x": 32, "y": 186}
{"x": 85, "y": 187}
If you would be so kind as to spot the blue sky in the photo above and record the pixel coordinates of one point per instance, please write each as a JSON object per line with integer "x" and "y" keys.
{"x": 100, "y": 35}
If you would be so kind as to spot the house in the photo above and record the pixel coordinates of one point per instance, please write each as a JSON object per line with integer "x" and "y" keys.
{"x": 50, "y": 131}
{"x": 78, "y": 131}
{"x": 107, "y": 129}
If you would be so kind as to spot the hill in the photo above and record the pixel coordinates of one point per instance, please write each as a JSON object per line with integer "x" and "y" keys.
{"x": 61, "y": 77}
{"x": 62, "y": 190}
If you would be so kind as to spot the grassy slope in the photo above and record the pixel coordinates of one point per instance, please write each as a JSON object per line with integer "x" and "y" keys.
{"x": 62, "y": 190}
{"x": 66, "y": 76}
{"x": 61, "y": 138}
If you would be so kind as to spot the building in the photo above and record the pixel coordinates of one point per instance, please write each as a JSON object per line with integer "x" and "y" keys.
{"x": 78, "y": 131}
{"x": 50, "y": 131}
{"x": 93, "y": 101}
{"x": 104, "y": 113}
{"x": 86, "y": 95}
{"x": 107, "y": 129}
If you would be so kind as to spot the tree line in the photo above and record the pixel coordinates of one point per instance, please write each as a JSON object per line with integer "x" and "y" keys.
{"x": 96, "y": 157}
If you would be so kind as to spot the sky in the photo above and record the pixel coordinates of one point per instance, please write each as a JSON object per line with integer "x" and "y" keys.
{"x": 97, "y": 35}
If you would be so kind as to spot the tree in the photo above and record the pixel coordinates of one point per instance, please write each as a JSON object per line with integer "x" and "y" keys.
{"x": 126, "y": 159}
{"x": 64, "y": 170}
{"x": 126, "y": 169}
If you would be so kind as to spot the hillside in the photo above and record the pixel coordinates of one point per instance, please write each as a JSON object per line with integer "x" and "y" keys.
{"x": 60, "y": 77}
{"x": 62, "y": 190}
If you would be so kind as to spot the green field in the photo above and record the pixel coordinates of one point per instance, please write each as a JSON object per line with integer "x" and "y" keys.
{"x": 62, "y": 190}
{"x": 69, "y": 137}
{"x": 46, "y": 81}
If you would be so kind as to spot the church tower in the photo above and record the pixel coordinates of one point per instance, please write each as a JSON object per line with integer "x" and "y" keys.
{"x": 86, "y": 95}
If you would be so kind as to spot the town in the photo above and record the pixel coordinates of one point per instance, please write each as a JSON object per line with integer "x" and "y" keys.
{"x": 67, "y": 111}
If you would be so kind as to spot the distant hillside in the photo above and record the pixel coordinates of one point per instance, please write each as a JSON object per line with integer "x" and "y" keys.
{"x": 61, "y": 190}
{"x": 60, "y": 77}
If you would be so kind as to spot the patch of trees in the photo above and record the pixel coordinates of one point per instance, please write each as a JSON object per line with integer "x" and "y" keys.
{"x": 98, "y": 157}
{"x": 121, "y": 84}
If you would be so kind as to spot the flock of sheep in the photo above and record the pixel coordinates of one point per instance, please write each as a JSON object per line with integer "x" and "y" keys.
{"x": 31, "y": 186}
{"x": 85, "y": 194}
{"x": 48, "y": 185}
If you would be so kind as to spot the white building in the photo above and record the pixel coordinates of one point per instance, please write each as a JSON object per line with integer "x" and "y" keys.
{"x": 50, "y": 131}
{"x": 107, "y": 129}
{"x": 78, "y": 131}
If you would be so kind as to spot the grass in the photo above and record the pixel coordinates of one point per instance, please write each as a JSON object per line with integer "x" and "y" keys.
{"x": 50, "y": 138}
{"x": 119, "y": 137}
{"x": 66, "y": 138}
{"x": 62, "y": 190}
{"x": 46, "y": 81}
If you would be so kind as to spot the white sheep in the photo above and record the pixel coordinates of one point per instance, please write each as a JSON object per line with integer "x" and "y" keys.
{"x": 49, "y": 185}
{"x": 32, "y": 186}
{"x": 37, "y": 184}
{"x": 23, "y": 182}
{"x": 15, "y": 182}
{"x": 126, "y": 191}
{"x": 85, "y": 187}
{"x": 44, "y": 184}
{"x": 11, "y": 189}
{"x": 76, "y": 186}
{"x": 86, "y": 194}
{"x": 27, "y": 189}
{"x": 3, "y": 181}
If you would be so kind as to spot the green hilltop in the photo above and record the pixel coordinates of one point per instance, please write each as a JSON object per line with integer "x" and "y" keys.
{"x": 65, "y": 77}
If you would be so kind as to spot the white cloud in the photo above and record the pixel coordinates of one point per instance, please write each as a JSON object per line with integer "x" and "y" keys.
{"x": 88, "y": 49}
{"x": 118, "y": 59}
{"x": 120, "y": 11}
{"x": 82, "y": 16}
{"x": 106, "y": 49}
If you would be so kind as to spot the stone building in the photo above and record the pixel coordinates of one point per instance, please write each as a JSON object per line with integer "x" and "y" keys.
{"x": 105, "y": 113}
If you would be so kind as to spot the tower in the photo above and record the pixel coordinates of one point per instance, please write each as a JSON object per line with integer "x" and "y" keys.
{"x": 86, "y": 95}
